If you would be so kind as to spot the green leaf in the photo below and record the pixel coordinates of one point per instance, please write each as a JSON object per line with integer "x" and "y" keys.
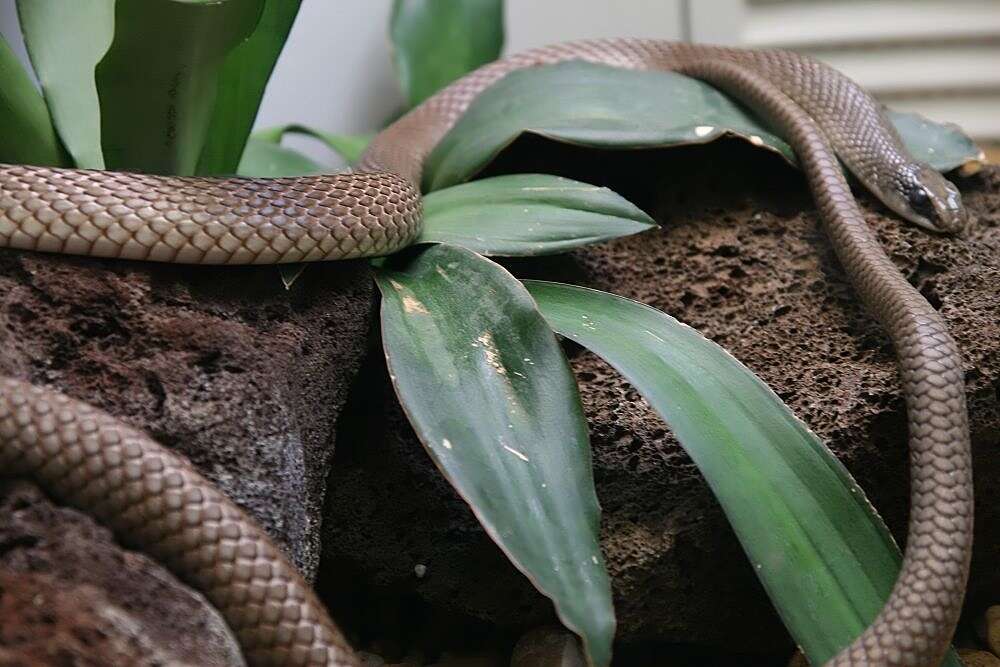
{"x": 608, "y": 107}
{"x": 348, "y": 146}
{"x": 438, "y": 41}
{"x": 943, "y": 146}
{"x": 824, "y": 556}
{"x": 488, "y": 391}
{"x": 158, "y": 82}
{"x": 270, "y": 160}
{"x": 66, "y": 40}
{"x": 242, "y": 80}
{"x": 28, "y": 136}
{"x": 528, "y": 214}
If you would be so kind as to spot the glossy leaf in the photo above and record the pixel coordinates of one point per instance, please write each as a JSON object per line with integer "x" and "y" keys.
{"x": 942, "y": 145}
{"x": 270, "y": 160}
{"x": 242, "y": 80}
{"x": 528, "y": 214}
{"x": 28, "y": 136}
{"x": 158, "y": 81}
{"x": 437, "y": 41}
{"x": 824, "y": 556}
{"x": 607, "y": 107}
{"x": 348, "y": 146}
{"x": 66, "y": 40}
{"x": 488, "y": 391}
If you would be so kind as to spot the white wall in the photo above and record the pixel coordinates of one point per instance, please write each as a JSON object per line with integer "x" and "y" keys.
{"x": 936, "y": 57}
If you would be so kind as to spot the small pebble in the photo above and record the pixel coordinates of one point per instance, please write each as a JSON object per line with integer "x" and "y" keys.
{"x": 973, "y": 658}
{"x": 370, "y": 659}
{"x": 988, "y": 628}
{"x": 798, "y": 659}
{"x": 548, "y": 647}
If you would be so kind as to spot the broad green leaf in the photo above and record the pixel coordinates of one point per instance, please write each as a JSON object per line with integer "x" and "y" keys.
{"x": 528, "y": 214}
{"x": 437, "y": 41}
{"x": 941, "y": 145}
{"x": 824, "y": 556}
{"x": 28, "y": 136}
{"x": 270, "y": 160}
{"x": 158, "y": 82}
{"x": 348, "y": 146}
{"x": 607, "y": 107}
{"x": 488, "y": 391}
{"x": 66, "y": 40}
{"x": 242, "y": 80}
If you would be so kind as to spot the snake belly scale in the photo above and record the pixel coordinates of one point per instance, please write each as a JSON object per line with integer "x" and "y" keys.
{"x": 157, "y": 502}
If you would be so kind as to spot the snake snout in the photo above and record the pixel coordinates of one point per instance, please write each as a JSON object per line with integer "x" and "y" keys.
{"x": 933, "y": 202}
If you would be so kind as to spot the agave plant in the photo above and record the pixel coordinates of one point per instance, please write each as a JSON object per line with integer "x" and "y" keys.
{"x": 472, "y": 351}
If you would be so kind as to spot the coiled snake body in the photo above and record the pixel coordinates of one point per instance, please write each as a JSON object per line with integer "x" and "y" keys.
{"x": 158, "y": 502}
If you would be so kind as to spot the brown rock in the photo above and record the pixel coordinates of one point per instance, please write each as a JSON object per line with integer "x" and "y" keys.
{"x": 799, "y": 659}
{"x": 548, "y": 647}
{"x": 740, "y": 257}
{"x": 370, "y": 659}
{"x": 973, "y": 658}
{"x": 223, "y": 364}
{"x": 988, "y": 628}
{"x": 70, "y": 596}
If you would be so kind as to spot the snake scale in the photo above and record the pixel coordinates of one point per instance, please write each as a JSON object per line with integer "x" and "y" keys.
{"x": 156, "y": 501}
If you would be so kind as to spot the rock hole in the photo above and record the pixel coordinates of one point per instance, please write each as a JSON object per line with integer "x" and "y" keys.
{"x": 18, "y": 542}
{"x": 923, "y": 279}
{"x": 209, "y": 361}
{"x": 783, "y": 309}
{"x": 22, "y": 313}
{"x": 155, "y": 387}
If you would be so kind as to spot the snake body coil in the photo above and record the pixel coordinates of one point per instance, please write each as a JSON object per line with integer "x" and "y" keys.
{"x": 158, "y": 502}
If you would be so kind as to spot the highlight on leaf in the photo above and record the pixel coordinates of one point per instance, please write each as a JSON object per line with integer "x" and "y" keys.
{"x": 488, "y": 391}
{"x": 607, "y": 107}
{"x": 528, "y": 214}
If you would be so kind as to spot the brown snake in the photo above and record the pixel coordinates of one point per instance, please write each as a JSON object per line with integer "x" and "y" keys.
{"x": 155, "y": 500}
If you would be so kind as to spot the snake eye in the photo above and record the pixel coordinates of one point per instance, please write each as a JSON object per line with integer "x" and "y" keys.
{"x": 920, "y": 202}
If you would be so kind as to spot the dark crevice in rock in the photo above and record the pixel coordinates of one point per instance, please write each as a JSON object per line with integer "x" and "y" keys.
{"x": 17, "y": 542}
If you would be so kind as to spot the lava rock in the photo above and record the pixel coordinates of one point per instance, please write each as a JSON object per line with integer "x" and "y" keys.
{"x": 548, "y": 647}
{"x": 978, "y": 658}
{"x": 988, "y": 628}
{"x": 222, "y": 364}
{"x": 741, "y": 257}
{"x": 69, "y": 595}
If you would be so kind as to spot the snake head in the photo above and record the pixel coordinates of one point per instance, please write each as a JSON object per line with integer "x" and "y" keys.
{"x": 925, "y": 197}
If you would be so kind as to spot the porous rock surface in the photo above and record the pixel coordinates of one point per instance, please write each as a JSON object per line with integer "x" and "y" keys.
{"x": 742, "y": 258}
{"x": 70, "y": 596}
{"x": 222, "y": 364}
